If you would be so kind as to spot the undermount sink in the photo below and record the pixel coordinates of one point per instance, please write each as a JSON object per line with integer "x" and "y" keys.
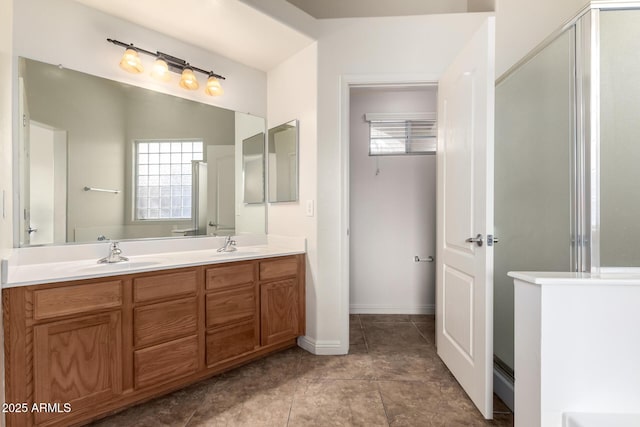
{"x": 125, "y": 265}
{"x": 240, "y": 251}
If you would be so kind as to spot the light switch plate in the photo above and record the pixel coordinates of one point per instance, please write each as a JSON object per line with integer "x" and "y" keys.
{"x": 309, "y": 208}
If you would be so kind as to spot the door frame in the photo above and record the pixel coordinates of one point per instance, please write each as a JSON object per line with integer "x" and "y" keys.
{"x": 347, "y": 81}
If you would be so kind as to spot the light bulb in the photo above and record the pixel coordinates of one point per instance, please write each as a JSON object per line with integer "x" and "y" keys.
{"x": 188, "y": 80}
{"x": 161, "y": 70}
{"x": 131, "y": 61}
{"x": 213, "y": 87}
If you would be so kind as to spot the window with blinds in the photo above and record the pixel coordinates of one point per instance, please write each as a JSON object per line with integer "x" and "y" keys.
{"x": 402, "y": 137}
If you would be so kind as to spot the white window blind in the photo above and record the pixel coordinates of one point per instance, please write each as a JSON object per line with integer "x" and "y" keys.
{"x": 394, "y": 135}
{"x": 164, "y": 179}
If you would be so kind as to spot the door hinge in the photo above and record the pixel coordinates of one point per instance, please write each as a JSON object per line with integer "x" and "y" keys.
{"x": 24, "y": 120}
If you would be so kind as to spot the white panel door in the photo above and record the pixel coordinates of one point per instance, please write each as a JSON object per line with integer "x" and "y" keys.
{"x": 464, "y": 277}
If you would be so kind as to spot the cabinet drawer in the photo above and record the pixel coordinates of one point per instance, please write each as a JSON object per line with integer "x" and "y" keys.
{"x": 166, "y": 362}
{"x": 164, "y": 321}
{"x": 166, "y": 285}
{"x": 223, "y": 277}
{"x": 231, "y": 341}
{"x": 76, "y": 299}
{"x": 233, "y": 305}
{"x": 278, "y": 268}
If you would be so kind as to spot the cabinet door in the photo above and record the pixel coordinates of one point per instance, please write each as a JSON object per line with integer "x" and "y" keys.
{"x": 77, "y": 361}
{"x": 279, "y": 311}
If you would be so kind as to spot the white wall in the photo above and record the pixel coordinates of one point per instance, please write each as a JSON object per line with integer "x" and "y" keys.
{"x": 292, "y": 94}
{"x": 6, "y": 230}
{"x": 392, "y": 49}
{"x": 523, "y": 24}
{"x": 76, "y": 38}
{"x": 392, "y": 212}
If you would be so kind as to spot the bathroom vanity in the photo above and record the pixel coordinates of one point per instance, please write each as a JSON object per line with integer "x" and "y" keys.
{"x": 111, "y": 341}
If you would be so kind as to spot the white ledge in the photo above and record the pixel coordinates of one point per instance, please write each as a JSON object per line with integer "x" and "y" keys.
{"x": 568, "y": 278}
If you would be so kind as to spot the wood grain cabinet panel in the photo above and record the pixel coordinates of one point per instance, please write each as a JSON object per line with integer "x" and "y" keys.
{"x": 165, "y": 285}
{"x": 278, "y": 268}
{"x": 77, "y": 361}
{"x": 279, "y": 311}
{"x": 232, "y": 305}
{"x": 164, "y": 321}
{"x": 76, "y": 299}
{"x": 229, "y": 341}
{"x": 229, "y": 275}
{"x": 165, "y": 362}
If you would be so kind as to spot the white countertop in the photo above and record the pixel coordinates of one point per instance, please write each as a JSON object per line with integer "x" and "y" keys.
{"x": 32, "y": 269}
{"x": 568, "y": 278}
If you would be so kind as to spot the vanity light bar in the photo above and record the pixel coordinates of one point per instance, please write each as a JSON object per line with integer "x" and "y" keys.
{"x": 131, "y": 62}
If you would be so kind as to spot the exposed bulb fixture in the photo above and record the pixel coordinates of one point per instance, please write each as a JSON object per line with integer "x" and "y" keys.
{"x": 161, "y": 70}
{"x": 131, "y": 61}
{"x": 213, "y": 87}
{"x": 165, "y": 64}
{"x": 188, "y": 80}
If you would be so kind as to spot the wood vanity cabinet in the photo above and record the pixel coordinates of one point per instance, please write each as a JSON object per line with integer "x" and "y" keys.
{"x": 281, "y": 309}
{"x": 104, "y": 344}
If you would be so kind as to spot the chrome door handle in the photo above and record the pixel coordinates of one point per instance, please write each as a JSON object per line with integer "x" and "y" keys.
{"x": 478, "y": 240}
{"x": 418, "y": 259}
{"x": 31, "y": 230}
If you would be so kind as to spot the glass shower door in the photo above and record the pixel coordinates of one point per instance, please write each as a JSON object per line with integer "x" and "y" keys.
{"x": 534, "y": 176}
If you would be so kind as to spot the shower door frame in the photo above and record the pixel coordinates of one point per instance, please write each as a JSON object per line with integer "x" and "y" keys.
{"x": 585, "y": 167}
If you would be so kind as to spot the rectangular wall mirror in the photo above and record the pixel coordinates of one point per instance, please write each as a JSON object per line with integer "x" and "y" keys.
{"x": 283, "y": 162}
{"x": 99, "y": 159}
{"x": 253, "y": 168}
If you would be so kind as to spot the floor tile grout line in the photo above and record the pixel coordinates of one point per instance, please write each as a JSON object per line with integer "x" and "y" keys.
{"x": 384, "y": 407}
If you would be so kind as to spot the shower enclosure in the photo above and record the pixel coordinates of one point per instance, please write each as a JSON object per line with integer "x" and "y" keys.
{"x": 567, "y": 156}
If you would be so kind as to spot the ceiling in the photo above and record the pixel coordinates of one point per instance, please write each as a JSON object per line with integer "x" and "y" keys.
{"x": 238, "y": 31}
{"x": 228, "y": 27}
{"x": 328, "y": 9}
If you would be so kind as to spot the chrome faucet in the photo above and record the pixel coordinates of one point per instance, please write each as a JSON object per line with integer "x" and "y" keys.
{"x": 229, "y": 245}
{"x": 114, "y": 255}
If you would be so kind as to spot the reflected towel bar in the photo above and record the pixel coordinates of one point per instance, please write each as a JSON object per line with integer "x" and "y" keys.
{"x": 103, "y": 190}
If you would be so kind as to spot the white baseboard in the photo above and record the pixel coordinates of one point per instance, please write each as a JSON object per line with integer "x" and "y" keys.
{"x": 503, "y": 387}
{"x": 390, "y": 309}
{"x": 321, "y": 348}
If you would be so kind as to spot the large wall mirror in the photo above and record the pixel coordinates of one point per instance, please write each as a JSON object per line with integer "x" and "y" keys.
{"x": 283, "y": 162}
{"x": 101, "y": 159}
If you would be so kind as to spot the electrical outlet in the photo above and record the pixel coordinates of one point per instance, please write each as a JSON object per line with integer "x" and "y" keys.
{"x": 309, "y": 207}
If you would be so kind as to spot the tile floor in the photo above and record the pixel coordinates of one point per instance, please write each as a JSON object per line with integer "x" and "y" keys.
{"x": 391, "y": 377}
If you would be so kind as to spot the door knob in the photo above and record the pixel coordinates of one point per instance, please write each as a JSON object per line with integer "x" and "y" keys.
{"x": 478, "y": 240}
{"x": 31, "y": 230}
